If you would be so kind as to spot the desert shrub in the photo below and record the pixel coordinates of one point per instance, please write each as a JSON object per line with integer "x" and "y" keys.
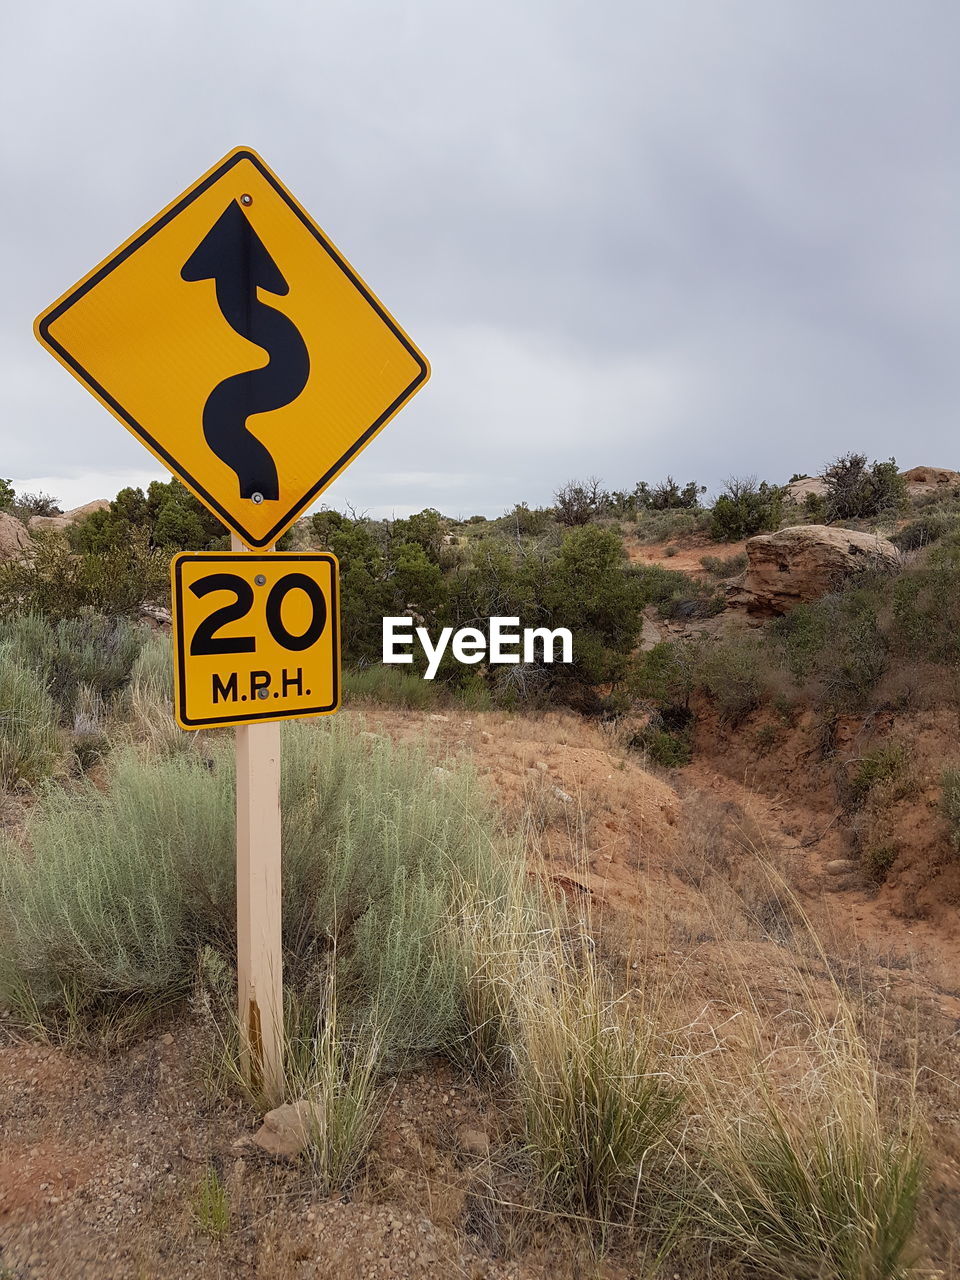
{"x": 657, "y": 526}
{"x": 529, "y": 521}
{"x": 29, "y": 740}
{"x": 26, "y": 505}
{"x": 117, "y": 890}
{"x": 56, "y": 583}
{"x": 666, "y": 674}
{"x": 877, "y": 859}
{"x": 883, "y": 766}
{"x": 925, "y": 609}
{"x": 921, "y": 532}
{"x": 7, "y": 495}
{"x": 746, "y": 508}
{"x": 856, "y": 491}
{"x": 724, "y": 566}
{"x": 577, "y": 502}
{"x": 88, "y": 650}
{"x": 668, "y": 495}
{"x": 837, "y": 642}
{"x": 694, "y": 602}
{"x": 667, "y": 748}
{"x": 950, "y": 804}
{"x": 731, "y": 672}
{"x": 814, "y": 508}
{"x": 167, "y": 517}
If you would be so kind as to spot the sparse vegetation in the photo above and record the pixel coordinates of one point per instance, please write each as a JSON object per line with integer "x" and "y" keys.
{"x": 760, "y": 1139}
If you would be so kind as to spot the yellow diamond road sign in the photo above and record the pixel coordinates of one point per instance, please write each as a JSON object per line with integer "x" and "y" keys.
{"x": 239, "y": 345}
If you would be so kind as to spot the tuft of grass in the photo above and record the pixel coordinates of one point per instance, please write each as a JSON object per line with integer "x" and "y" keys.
{"x": 148, "y": 702}
{"x": 29, "y": 739}
{"x": 596, "y": 1099}
{"x": 804, "y": 1160}
{"x": 335, "y": 1070}
{"x": 816, "y": 1183}
{"x": 211, "y": 1204}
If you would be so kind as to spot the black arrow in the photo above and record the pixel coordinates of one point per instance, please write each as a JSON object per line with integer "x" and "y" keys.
{"x": 233, "y": 255}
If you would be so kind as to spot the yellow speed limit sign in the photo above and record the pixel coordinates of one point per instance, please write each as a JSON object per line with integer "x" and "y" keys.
{"x": 256, "y": 637}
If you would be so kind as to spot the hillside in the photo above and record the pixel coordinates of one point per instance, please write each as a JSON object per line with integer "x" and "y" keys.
{"x": 647, "y": 967}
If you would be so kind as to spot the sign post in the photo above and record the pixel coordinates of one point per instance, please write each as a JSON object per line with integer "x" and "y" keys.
{"x": 236, "y": 342}
{"x": 259, "y": 881}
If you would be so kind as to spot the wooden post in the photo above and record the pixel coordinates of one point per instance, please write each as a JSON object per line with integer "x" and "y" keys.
{"x": 259, "y": 954}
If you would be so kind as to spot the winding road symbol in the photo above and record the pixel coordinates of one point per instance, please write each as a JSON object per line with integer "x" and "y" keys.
{"x": 235, "y": 258}
{"x": 167, "y": 329}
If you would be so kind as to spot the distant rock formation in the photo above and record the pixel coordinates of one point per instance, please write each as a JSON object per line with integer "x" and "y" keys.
{"x": 929, "y": 479}
{"x": 68, "y": 517}
{"x": 803, "y": 563}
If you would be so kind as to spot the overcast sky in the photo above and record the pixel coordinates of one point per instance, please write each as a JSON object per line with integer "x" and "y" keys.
{"x": 633, "y": 237}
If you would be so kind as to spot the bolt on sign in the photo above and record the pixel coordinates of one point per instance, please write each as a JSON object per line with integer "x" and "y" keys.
{"x": 239, "y": 345}
{"x": 256, "y": 637}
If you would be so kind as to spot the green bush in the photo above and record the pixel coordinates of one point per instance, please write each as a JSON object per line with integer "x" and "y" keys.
{"x": 856, "y": 491}
{"x": 88, "y": 650}
{"x": 839, "y": 643}
{"x": 884, "y": 765}
{"x": 731, "y": 673}
{"x": 921, "y": 532}
{"x": 745, "y": 509}
{"x": 117, "y": 890}
{"x": 670, "y": 750}
{"x": 29, "y": 740}
{"x": 167, "y": 517}
{"x": 56, "y": 583}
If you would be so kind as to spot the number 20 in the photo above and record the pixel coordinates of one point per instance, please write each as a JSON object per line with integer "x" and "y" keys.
{"x": 206, "y": 641}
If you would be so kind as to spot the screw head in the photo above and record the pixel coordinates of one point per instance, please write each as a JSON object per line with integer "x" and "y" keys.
{"x": 263, "y": 693}
{"x": 246, "y": 199}
{"x": 256, "y": 498}
{"x": 260, "y": 580}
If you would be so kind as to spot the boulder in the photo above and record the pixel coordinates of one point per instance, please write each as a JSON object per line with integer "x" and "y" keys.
{"x": 14, "y": 538}
{"x": 803, "y": 563}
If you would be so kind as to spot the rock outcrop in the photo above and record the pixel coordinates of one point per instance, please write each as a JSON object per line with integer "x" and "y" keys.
{"x": 803, "y": 563}
{"x": 14, "y": 539}
{"x": 921, "y": 480}
{"x": 68, "y": 517}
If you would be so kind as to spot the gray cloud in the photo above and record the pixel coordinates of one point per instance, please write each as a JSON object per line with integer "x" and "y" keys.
{"x": 692, "y": 236}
